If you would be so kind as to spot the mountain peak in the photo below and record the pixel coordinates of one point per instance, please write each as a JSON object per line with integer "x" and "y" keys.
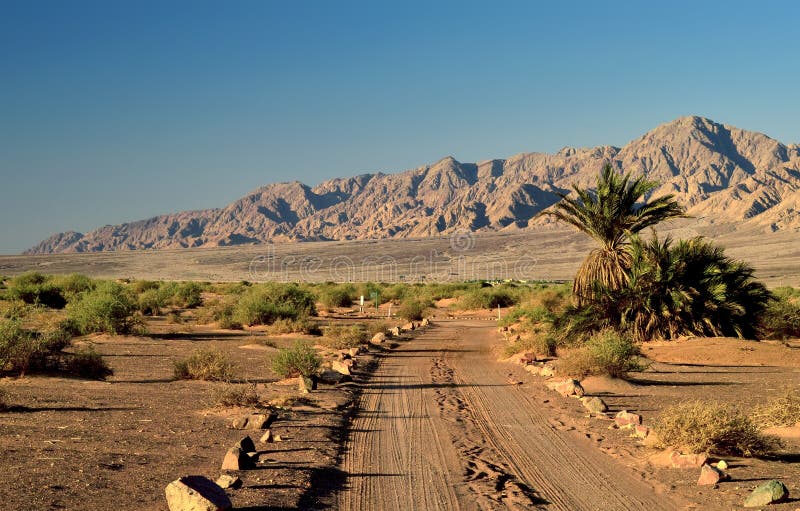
{"x": 720, "y": 173}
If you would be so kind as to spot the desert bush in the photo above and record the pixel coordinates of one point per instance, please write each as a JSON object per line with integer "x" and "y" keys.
{"x": 413, "y": 310}
{"x": 87, "y": 363}
{"x": 606, "y": 353}
{"x": 338, "y": 296}
{"x": 781, "y": 319}
{"x": 235, "y": 394}
{"x": 301, "y": 325}
{"x": 37, "y": 289}
{"x": 489, "y": 298}
{"x": 23, "y": 350}
{"x": 709, "y": 427}
{"x": 140, "y": 286}
{"x": 73, "y": 285}
{"x": 17, "y": 309}
{"x": 781, "y": 411}
{"x": 205, "y": 364}
{"x": 346, "y": 336}
{"x": 188, "y": 295}
{"x": 300, "y": 359}
{"x": 537, "y": 341}
{"x": 108, "y": 308}
{"x": 15, "y": 344}
{"x": 151, "y": 301}
{"x": 263, "y": 304}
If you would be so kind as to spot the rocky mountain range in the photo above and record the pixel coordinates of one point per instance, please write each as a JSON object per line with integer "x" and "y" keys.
{"x": 720, "y": 173}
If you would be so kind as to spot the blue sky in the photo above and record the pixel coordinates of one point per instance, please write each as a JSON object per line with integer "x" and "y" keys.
{"x": 113, "y": 111}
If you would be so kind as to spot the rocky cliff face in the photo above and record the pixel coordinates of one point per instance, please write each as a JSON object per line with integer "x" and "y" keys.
{"x": 720, "y": 173}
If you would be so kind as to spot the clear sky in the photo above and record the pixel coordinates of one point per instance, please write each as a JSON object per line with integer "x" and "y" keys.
{"x": 117, "y": 110}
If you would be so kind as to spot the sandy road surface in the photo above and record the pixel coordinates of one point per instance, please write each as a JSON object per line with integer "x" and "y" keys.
{"x": 440, "y": 426}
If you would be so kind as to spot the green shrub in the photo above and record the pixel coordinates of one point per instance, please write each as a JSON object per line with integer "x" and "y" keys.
{"x": 262, "y": 305}
{"x": 188, "y": 295}
{"x": 140, "y": 286}
{"x": 346, "y": 336}
{"x": 17, "y": 309}
{"x": 781, "y": 319}
{"x": 413, "y": 310}
{"x": 205, "y": 364}
{"x": 24, "y": 350}
{"x": 489, "y": 298}
{"x": 606, "y": 353}
{"x": 15, "y": 345}
{"x": 87, "y": 363}
{"x": 74, "y": 284}
{"x": 108, "y": 308}
{"x": 300, "y": 359}
{"x": 708, "y": 427}
{"x": 37, "y": 289}
{"x": 338, "y": 296}
{"x": 151, "y": 301}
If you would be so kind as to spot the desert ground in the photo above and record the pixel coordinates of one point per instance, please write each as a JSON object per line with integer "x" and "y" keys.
{"x": 436, "y": 418}
{"x": 433, "y": 420}
{"x": 534, "y": 254}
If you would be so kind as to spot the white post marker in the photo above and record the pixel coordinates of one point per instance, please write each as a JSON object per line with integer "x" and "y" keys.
{"x": 498, "y": 312}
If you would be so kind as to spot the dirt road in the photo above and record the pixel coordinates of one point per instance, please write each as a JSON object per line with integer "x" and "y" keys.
{"x": 441, "y": 426}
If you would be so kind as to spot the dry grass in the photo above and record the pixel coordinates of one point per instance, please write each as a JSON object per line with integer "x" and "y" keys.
{"x": 607, "y": 353}
{"x": 233, "y": 394}
{"x": 709, "y": 427}
{"x": 345, "y": 336}
{"x": 782, "y": 411}
{"x": 210, "y": 365}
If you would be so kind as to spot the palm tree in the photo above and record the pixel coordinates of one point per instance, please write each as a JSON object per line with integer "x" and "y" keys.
{"x": 610, "y": 215}
{"x": 689, "y": 288}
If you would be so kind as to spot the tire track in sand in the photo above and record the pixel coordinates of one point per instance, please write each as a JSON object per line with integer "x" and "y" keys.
{"x": 440, "y": 427}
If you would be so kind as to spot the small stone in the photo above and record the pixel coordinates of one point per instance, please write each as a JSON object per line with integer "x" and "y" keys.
{"x": 196, "y": 493}
{"x": 226, "y": 481}
{"x": 266, "y": 438}
{"x": 306, "y": 384}
{"x": 710, "y": 476}
{"x": 278, "y": 438}
{"x": 425, "y": 322}
{"x": 408, "y": 327}
{"x": 594, "y": 404}
{"x": 395, "y": 331}
{"x": 340, "y": 367}
{"x": 532, "y": 369}
{"x": 354, "y": 351}
{"x": 570, "y": 387}
{"x": 546, "y": 371}
{"x": 625, "y": 418}
{"x": 378, "y": 338}
{"x": 237, "y": 459}
{"x": 768, "y": 493}
{"x": 246, "y": 444}
{"x": 253, "y": 421}
{"x": 722, "y": 465}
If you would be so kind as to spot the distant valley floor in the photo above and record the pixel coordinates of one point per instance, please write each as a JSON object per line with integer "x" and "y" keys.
{"x": 541, "y": 254}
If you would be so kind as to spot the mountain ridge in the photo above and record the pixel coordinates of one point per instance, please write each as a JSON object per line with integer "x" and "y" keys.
{"x": 719, "y": 172}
